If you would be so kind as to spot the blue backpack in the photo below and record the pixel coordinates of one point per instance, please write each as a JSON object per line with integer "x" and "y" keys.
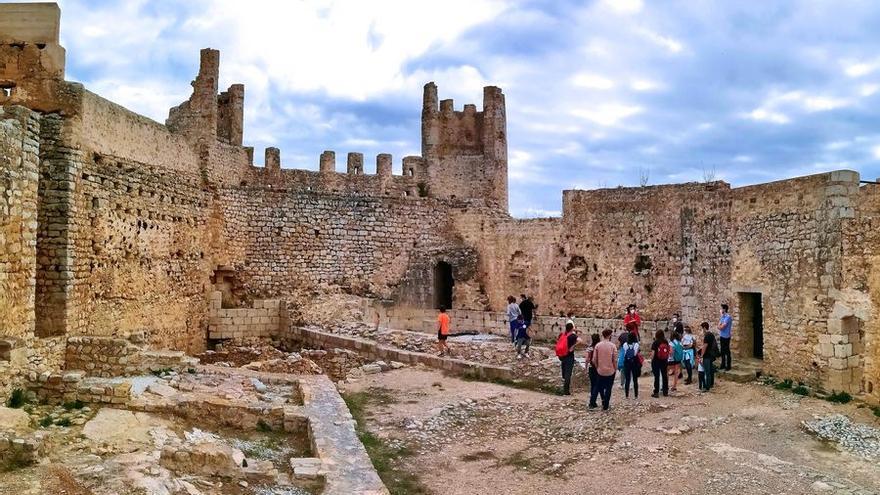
{"x": 677, "y": 351}
{"x": 630, "y": 356}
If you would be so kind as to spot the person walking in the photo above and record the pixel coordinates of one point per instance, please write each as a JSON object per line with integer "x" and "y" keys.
{"x": 659, "y": 363}
{"x": 604, "y": 359}
{"x": 621, "y": 340}
{"x": 632, "y": 366}
{"x": 565, "y": 352}
{"x": 442, "y": 331}
{"x": 522, "y": 338}
{"x": 632, "y": 321}
{"x": 689, "y": 358}
{"x": 591, "y": 369}
{"x": 527, "y": 307}
{"x": 513, "y": 312}
{"x": 725, "y": 329}
{"x": 675, "y": 359}
{"x": 708, "y": 353}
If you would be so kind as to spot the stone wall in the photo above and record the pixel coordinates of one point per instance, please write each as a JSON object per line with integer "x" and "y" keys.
{"x": 261, "y": 321}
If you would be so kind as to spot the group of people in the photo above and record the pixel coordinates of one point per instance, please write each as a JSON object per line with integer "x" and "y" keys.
{"x": 672, "y": 352}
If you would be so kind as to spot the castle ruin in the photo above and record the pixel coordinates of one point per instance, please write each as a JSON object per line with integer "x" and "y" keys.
{"x": 115, "y": 226}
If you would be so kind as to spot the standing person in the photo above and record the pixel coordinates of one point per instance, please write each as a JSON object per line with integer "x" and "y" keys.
{"x": 659, "y": 363}
{"x": 708, "y": 353}
{"x": 725, "y": 328}
{"x": 591, "y": 370}
{"x": 522, "y": 338}
{"x": 513, "y": 312}
{"x": 677, "y": 326}
{"x": 689, "y": 358}
{"x": 442, "y": 331}
{"x": 565, "y": 352}
{"x": 621, "y": 340}
{"x": 632, "y": 366}
{"x": 676, "y": 358}
{"x": 632, "y": 321}
{"x": 527, "y": 307}
{"x": 604, "y": 355}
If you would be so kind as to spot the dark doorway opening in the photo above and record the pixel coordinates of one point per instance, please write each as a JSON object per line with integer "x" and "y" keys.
{"x": 443, "y": 283}
{"x": 751, "y": 323}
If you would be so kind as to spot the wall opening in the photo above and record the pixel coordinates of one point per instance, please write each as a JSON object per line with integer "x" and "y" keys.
{"x": 443, "y": 283}
{"x": 751, "y": 325}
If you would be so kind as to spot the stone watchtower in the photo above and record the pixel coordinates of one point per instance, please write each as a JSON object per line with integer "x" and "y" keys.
{"x": 465, "y": 152}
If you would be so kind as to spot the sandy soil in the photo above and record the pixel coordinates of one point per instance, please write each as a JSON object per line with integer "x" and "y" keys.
{"x": 479, "y": 438}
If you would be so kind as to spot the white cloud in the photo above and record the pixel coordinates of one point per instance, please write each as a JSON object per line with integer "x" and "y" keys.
{"x": 607, "y": 114}
{"x": 591, "y": 81}
{"x": 821, "y": 103}
{"x": 876, "y": 152}
{"x": 643, "y": 85}
{"x": 624, "y": 6}
{"x": 868, "y": 89}
{"x": 667, "y": 42}
{"x": 764, "y": 115}
{"x": 860, "y": 69}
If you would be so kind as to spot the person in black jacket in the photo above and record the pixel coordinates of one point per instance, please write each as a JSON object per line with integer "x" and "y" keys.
{"x": 527, "y": 307}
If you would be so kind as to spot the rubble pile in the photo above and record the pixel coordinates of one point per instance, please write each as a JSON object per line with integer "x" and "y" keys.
{"x": 859, "y": 439}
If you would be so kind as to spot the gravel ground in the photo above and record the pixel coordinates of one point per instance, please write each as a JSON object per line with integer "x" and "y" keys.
{"x": 471, "y": 437}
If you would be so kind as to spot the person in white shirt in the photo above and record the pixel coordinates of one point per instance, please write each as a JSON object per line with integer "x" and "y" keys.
{"x": 687, "y": 342}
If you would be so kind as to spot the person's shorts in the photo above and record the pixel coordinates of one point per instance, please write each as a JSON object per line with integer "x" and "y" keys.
{"x": 441, "y": 336}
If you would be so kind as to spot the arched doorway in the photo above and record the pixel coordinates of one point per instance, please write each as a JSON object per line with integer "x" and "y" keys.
{"x": 443, "y": 283}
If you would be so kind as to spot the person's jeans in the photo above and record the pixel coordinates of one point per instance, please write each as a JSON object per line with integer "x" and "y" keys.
{"x": 513, "y": 331}
{"x": 690, "y": 368}
{"x": 631, "y": 374}
{"x": 523, "y": 341}
{"x": 567, "y": 367}
{"x": 606, "y": 383}
{"x": 659, "y": 368}
{"x": 725, "y": 353}
{"x": 594, "y": 386}
{"x": 709, "y": 370}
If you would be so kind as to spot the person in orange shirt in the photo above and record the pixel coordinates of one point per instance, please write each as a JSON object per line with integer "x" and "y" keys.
{"x": 442, "y": 331}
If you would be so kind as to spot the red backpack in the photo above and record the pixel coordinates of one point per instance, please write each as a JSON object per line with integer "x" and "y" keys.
{"x": 562, "y": 345}
{"x": 663, "y": 351}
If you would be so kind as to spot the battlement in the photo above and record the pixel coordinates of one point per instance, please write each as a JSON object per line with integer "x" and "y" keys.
{"x": 355, "y": 180}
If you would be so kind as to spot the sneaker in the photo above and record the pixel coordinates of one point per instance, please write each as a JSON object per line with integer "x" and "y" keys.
{"x": 655, "y": 395}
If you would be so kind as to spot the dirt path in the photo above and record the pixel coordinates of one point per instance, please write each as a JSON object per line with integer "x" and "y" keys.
{"x": 479, "y": 438}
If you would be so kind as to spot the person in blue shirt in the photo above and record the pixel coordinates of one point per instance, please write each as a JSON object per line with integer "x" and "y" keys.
{"x": 725, "y": 327}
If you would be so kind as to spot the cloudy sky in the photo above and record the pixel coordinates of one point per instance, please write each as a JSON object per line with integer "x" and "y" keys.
{"x": 599, "y": 93}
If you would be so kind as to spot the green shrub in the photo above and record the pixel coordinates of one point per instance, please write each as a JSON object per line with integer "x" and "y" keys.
{"x": 17, "y": 399}
{"x": 876, "y": 410}
{"x": 784, "y": 385}
{"x": 46, "y": 422}
{"x": 63, "y": 422}
{"x": 77, "y": 404}
{"x": 264, "y": 427}
{"x": 839, "y": 397}
{"x": 800, "y": 390}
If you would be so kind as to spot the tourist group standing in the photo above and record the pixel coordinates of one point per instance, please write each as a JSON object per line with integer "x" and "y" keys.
{"x": 671, "y": 353}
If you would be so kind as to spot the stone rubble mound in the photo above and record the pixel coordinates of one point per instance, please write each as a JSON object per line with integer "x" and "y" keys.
{"x": 859, "y": 439}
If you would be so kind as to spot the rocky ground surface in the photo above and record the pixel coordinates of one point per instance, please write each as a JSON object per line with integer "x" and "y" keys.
{"x": 468, "y": 437}
{"x": 93, "y": 450}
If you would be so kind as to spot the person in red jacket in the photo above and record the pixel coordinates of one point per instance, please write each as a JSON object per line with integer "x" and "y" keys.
{"x": 632, "y": 321}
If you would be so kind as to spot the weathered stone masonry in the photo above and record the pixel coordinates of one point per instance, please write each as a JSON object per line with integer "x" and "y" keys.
{"x": 113, "y": 226}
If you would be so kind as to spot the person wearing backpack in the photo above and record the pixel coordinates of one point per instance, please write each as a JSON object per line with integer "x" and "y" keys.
{"x": 675, "y": 359}
{"x": 604, "y": 360}
{"x": 565, "y": 352}
{"x": 660, "y": 351}
{"x": 513, "y": 313}
{"x": 591, "y": 370}
{"x": 632, "y": 366}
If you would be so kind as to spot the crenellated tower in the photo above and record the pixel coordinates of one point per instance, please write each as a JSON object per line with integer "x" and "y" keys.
{"x": 465, "y": 152}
